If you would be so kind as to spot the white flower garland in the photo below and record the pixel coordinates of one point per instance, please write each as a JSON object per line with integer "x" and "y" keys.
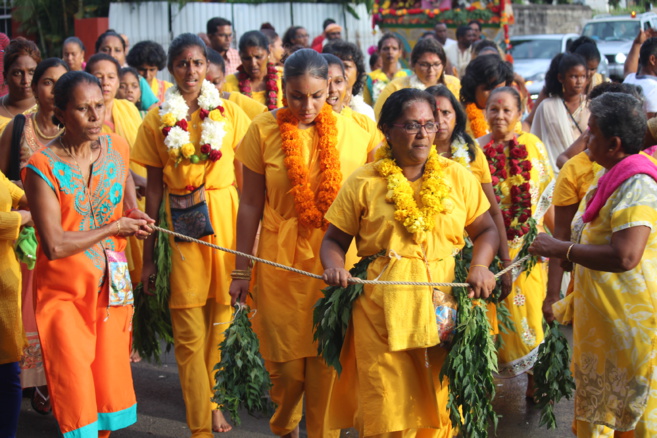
{"x": 173, "y": 114}
{"x": 415, "y": 82}
{"x": 459, "y": 149}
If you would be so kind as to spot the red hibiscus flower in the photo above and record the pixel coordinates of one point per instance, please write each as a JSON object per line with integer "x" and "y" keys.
{"x": 182, "y": 124}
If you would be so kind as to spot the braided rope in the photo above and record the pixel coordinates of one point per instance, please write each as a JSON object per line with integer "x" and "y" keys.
{"x": 513, "y": 265}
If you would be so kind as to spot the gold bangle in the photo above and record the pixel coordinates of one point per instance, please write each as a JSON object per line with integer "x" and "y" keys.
{"x": 481, "y": 266}
{"x": 568, "y": 252}
{"x": 118, "y": 227}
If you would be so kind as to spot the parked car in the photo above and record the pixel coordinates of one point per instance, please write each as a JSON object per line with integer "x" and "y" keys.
{"x": 614, "y": 36}
{"x": 532, "y": 55}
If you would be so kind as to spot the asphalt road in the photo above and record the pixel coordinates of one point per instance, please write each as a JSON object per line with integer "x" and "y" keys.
{"x": 162, "y": 411}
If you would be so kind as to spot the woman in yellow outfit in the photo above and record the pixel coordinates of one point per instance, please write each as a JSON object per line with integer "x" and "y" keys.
{"x": 188, "y": 148}
{"x": 390, "y": 48}
{"x": 121, "y": 117}
{"x": 613, "y": 248}
{"x": 256, "y": 77}
{"x": 428, "y": 63}
{"x": 522, "y": 171}
{"x": 20, "y": 59}
{"x": 217, "y": 76}
{"x": 390, "y": 385}
{"x": 453, "y": 142}
{"x": 295, "y": 160}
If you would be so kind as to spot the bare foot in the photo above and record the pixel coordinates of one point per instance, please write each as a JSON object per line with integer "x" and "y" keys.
{"x": 219, "y": 423}
{"x": 531, "y": 391}
{"x": 135, "y": 357}
{"x": 293, "y": 434}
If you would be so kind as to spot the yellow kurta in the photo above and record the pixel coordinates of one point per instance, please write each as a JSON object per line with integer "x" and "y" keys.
{"x": 367, "y": 124}
{"x": 12, "y": 339}
{"x": 248, "y": 105}
{"x": 376, "y": 81}
{"x": 615, "y": 335}
{"x": 198, "y": 272}
{"x": 159, "y": 87}
{"x": 451, "y": 82}
{"x": 574, "y": 180}
{"x": 525, "y": 302}
{"x": 127, "y": 121}
{"x": 391, "y": 361}
{"x": 285, "y": 300}
{"x": 232, "y": 86}
{"x": 4, "y": 121}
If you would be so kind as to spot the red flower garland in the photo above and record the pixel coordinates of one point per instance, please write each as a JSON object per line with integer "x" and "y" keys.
{"x": 271, "y": 84}
{"x": 520, "y": 208}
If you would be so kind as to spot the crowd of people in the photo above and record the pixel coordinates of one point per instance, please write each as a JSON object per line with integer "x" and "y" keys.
{"x": 289, "y": 149}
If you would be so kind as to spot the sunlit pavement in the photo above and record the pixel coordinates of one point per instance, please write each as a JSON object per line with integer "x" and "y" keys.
{"x": 162, "y": 412}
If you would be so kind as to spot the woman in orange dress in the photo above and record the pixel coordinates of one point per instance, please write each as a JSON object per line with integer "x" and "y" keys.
{"x": 83, "y": 204}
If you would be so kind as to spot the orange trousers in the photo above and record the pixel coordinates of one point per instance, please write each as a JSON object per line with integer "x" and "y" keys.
{"x": 86, "y": 354}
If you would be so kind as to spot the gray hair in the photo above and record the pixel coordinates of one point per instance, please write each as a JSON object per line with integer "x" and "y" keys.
{"x": 621, "y": 115}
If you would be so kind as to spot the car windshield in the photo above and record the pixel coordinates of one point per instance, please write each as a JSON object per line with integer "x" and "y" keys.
{"x": 535, "y": 49}
{"x": 612, "y": 30}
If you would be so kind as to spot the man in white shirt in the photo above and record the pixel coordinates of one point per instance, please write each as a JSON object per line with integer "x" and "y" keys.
{"x": 459, "y": 55}
{"x": 646, "y": 76}
{"x": 440, "y": 30}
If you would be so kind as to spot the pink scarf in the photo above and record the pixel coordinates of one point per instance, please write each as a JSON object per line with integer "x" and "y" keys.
{"x": 617, "y": 175}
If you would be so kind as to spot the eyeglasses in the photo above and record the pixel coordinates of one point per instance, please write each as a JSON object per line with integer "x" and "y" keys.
{"x": 427, "y": 66}
{"x": 414, "y": 128}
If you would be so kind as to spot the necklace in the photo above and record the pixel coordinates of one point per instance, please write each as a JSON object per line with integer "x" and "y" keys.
{"x": 415, "y": 82}
{"x": 311, "y": 207}
{"x": 66, "y": 149}
{"x": 518, "y": 211}
{"x": 173, "y": 115}
{"x": 40, "y": 133}
{"x": 271, "y": 85}
{"x": 5, "y": 107}
{"x": 434, "y": 193}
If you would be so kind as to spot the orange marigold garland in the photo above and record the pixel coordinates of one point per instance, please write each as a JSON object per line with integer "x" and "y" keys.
{"x": 477, "y": 119}
{"x": 311, "y": 207}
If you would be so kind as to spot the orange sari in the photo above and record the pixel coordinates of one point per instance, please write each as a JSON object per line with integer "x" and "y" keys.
{"x": 85, "y": 343}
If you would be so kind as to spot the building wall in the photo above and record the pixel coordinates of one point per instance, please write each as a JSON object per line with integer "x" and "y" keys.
{"x": 540, "y": 19}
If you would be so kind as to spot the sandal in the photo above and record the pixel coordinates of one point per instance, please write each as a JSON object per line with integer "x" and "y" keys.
{"x": 41, "y": 403}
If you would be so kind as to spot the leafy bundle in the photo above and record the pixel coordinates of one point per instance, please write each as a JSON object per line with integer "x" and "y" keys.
{"x": 552, "y": 378}
{"x": 242, "y": 380}
{"x": 528, "y": 264}
{"x": 152, "y": 320}
{"x": 470, "y": 365}
{"x": 333, "y": 312}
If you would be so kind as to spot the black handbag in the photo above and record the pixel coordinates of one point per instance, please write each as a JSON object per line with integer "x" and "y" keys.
{"x": 190, "y": 215}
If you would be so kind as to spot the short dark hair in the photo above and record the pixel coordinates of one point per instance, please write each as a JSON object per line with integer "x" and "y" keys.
{"x": 620, "y": 115}
{"x": 45, "y": 65}
{"x": 253, "y": 38}
{"x": 215, "y": 58}
{"x": 489, "y": 70}
{"x": 305, "y": 61}
{"x": 399, "y": 101}
{"x": 462, "y": 31}
{"x": 98, "y": 57}
{"x": 648, "y": 49}
{"x": 17, "y": 48}
{"x": 347, "y": 51}
{"x": 589, "y": 52}
{"x": 128, "y": 70}
{"x": 390, "y": 36}
{"x": 560, "y": 65}
{"x": 477, "y": 22}
{"x": 512, "y": 91}
{"x": 106, "y": 34}
{"x": 573, "y": 45}
{"x": 482, "y": 45}
{"x": 66, "y": 84}
{"x": 214, "y": 23}
{"x": 334, "y": 60}
{"x": 615, "y": 87}
{"x": 327, "y": 22}
{"x": 374, "y": 58}
{"x": 183, "y": 41}
{"x": 289, "y": 35}
{"x": 147, "y": 53}
{"x": 461, "y": 118}
{"x": 74, "y": 40}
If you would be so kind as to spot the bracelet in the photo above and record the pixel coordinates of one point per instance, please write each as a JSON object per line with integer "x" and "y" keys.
{"x": 481, "y": 266}
{"x": 127, "y": 213}
{"x": 118, "y": 227}
{"x": 241, "y": 274}
{"x": 568, "y": 252}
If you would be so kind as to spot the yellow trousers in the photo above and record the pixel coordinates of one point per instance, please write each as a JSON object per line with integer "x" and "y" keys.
{"x": 196, "y": 346}
{"x": 292, "y": 380}
{"x": 413, "y": 433}
{"x": 584, "y": 429}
